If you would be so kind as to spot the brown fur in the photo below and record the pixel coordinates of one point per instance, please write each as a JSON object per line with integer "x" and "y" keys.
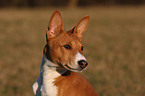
{"x": 74, "y": 85}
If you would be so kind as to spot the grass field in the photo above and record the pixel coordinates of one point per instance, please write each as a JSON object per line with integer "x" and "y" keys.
{"x": 114, "y": 47}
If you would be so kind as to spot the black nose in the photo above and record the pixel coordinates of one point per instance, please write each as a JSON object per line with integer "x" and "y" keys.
{"x": 82, "y": 63}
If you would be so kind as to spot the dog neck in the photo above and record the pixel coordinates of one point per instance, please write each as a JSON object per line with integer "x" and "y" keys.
{"x": 48, "y": 73}
{"x": 49, "y": 65}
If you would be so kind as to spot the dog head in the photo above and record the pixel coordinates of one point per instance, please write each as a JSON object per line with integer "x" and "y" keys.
{"x": 65, "y": 48}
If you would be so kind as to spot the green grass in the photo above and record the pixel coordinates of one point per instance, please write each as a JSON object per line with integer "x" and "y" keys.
{"x": 114, "y": 46}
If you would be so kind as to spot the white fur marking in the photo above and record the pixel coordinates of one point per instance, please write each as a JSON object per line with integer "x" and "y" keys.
{"x": 44, "y": 86}
{"x": 75, "y": 64}
{"x": 49, "y": 76}
{"x": 79, "y": 57}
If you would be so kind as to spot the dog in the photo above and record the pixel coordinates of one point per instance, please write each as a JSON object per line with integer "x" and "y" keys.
{"x": 63, "y": 60}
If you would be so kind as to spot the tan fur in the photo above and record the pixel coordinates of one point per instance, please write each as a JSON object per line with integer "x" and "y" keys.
{"x": 74, "y": 85}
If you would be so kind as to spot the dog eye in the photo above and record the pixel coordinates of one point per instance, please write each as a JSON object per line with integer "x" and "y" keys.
{"x": 67, "y": 46}
{"x": 82, "y": 48}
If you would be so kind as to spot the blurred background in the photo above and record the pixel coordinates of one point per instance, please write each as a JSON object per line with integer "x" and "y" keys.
{"x": 67, "y": 3}
{"x": 114, "y": 43}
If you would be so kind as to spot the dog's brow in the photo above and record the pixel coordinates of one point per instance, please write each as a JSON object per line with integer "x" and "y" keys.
{"x": 63, "y": 43}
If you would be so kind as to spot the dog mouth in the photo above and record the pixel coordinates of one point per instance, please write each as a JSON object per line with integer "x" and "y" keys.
{"x": 72, "y": 69}
{"x": 71, "y": 66}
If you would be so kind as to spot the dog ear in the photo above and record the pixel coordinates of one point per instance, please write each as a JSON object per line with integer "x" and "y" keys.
{"x": 55, "y": 25}
{"x": 81, "y": 27}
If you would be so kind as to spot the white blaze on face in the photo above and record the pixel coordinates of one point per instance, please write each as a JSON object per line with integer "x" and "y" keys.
{"x": 79, "y": 57}
{"x": 75, "y": 64}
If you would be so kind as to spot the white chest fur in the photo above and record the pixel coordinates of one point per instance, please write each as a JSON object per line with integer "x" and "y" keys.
{"x": 48, "y": 87}
{"x": 44, "y": 86}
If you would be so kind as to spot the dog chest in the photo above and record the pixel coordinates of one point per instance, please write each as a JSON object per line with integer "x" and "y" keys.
{"x": 48, "y": 87}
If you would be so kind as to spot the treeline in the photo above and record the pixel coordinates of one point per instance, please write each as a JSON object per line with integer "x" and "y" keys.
{"x": 66, "y": 3}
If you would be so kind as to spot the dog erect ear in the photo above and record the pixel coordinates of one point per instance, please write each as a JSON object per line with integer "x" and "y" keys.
{"x": 55, "y": 25}
{"x": 81, "y": 27}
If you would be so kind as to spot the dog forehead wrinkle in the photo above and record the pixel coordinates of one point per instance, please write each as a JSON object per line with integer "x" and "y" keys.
{"x": 63, "y": 37}
{"x": 67, "y": 38}
{"x": 76, "y": 41}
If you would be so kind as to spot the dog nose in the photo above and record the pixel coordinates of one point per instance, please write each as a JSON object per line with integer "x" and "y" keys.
{"x": 82, "y": 63}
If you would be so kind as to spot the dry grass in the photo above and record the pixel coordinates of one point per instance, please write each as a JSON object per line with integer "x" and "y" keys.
{"x": 114, "y": 46}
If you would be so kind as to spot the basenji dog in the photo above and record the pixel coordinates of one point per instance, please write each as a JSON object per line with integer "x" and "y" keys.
{"x": 63, "y": 60}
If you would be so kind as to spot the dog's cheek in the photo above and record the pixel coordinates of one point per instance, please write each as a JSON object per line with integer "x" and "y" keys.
{"x": 54, "y": 55}
{"x": 70, "y": 57}
{"x": 62, "y": 55}
{"x": 58, "y": 54}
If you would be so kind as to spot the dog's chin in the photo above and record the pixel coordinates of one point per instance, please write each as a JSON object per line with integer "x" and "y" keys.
{"x": 73, "y": 69}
